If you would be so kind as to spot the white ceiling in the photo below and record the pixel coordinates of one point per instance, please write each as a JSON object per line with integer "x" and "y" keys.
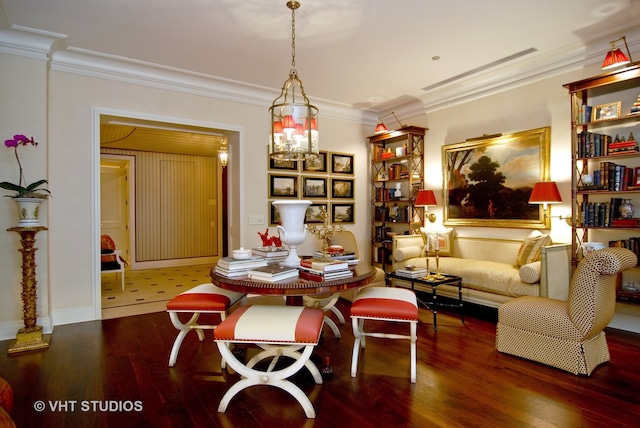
{"x": 373, "y": 54}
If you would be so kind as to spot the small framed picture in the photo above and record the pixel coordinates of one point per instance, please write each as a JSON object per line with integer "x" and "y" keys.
{"x": 314, "y": 213}
{"x": 283, "y": 165}
{"x": 636, "y": 177}
{"x": 318, "y": 164}
{"x": 606, "y": 111}
{"x": 274, "y": 217}
{"x": 283, "y": 186}
{"x": 341, "y": 163}
{"x": 341, "y": 189}
{"x": 314, "y": 187}
{"x": 342, "y": 213}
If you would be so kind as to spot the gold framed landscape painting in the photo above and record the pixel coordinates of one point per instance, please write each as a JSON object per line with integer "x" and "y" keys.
{"x": 488, "y": 181}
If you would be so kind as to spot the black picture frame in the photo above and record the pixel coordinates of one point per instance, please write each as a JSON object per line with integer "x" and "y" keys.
{"x": 317, "y": 165}
{"x": 274, "y": 215}
{"x": 342, "y": 163}
{"x": 283, "y": 186}
{"x": 342, "y": 213}
{"x": 314, "y": 187}
{"x": 342, "y": 188}
{"x": 314, "y": 213}
{"x": 283, "y": 165}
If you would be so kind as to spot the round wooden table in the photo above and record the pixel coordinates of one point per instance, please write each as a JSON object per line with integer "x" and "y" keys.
{"x": 295, "y": 288}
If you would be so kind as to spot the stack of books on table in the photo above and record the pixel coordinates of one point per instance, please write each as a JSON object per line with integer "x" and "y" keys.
{"x": 273, "y": 255}
{"x": 346, "y": 256}
{"x": 315, "y": 270}
{"x": 272, "y": 273}
{"x": 412, "y": 273}
{"x": 230, "y": 267}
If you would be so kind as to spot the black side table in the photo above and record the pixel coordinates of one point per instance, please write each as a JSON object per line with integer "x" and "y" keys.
{"x": 433, "y": 283}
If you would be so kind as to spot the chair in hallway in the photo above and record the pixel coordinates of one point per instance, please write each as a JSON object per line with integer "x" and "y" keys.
{"x": 111, "y": 260}
{"x": 567, "y": 335}
{"x": 201, "y": 299}
{"x": 384, "y": 304}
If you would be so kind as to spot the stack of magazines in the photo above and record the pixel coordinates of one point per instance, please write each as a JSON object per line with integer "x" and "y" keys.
{"x": 272, "y": 273}
{"x": 230, "y": 267}
{"x": 412, "y": 273}
{"x": 314, "y": 270}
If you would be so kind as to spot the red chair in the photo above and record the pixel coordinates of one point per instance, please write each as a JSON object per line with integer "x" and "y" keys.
{"x": 111, "y": 259}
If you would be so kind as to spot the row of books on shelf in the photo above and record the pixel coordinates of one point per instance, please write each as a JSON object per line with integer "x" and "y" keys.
{"x": 603, "y": 214}
{"x": 613, "y": 177}
{"x": 395, "y": 213}
{"x": 591, "y": 144}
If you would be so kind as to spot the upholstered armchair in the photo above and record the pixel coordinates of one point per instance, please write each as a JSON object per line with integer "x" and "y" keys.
{"x": 567, "y": 335}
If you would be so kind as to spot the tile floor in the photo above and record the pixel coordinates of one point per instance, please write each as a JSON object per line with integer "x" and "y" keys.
{"x": 148, "y": 290}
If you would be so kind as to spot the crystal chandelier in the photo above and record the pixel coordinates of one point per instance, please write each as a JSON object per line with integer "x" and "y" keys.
{"x": 294, "y": 121}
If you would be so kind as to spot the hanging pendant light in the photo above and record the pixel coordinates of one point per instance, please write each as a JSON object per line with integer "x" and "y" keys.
{"x": 294, "y": 121}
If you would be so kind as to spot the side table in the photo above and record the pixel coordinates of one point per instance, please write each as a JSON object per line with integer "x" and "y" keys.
{"x": 30, "y": 337}
{"x": 433, "y": 283}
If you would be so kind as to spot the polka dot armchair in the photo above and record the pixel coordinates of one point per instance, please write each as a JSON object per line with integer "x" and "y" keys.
{"x": 568, "y": 335}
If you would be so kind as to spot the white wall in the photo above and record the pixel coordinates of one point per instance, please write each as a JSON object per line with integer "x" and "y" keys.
{"x": 68, "y": 271}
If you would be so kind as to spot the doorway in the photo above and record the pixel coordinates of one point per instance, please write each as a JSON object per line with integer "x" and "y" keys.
{"x": 118, "y": 189}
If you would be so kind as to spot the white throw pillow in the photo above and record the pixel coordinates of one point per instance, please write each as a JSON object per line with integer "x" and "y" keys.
{"x": 530, "y": 273}
{"x": 444, "y": 238}
{"x": 531, "y": 248}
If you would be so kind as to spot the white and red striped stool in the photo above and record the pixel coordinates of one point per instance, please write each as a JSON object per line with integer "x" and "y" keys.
{"x": 384, "y": 304}
{"x": 201, "y": 299}
{"x": 279, "y": 331}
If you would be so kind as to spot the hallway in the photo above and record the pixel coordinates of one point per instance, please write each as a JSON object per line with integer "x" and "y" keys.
{"x": 148, "y": 290}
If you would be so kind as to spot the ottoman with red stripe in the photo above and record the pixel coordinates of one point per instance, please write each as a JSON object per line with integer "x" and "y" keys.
{"x": 384, "y": 304}
{"x": 278, "y": 331}
{"x": 203, "y": 298}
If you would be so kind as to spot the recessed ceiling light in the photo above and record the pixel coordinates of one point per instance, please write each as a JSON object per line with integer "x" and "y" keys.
{"x": 435, "y": 58}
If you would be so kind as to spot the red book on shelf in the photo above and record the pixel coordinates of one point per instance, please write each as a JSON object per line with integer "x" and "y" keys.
{"x": 625, "y": 222}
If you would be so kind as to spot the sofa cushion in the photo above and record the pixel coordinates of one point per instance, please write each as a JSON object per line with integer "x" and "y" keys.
{"x": 530, "y": 273}
{"x": 444, "y": 238}
{"x": 531, "y": 248}
{"x": 404, "y": 253}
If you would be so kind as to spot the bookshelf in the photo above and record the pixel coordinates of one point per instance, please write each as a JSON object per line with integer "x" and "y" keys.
{"x": 397, "y": 173}
{"x": 605, "y": 125}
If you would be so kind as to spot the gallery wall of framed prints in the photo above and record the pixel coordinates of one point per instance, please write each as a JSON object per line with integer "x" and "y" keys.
{"x": 327, "y": 181}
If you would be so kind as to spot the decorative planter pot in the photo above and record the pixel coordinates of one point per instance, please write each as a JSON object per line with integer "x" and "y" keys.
{"x": 626, "y": 208}
{"x": 28, "y": 211}
{"x": 293, "y": 231}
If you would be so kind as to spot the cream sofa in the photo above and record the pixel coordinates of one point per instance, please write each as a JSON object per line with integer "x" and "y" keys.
{"x": 489, "y": 270}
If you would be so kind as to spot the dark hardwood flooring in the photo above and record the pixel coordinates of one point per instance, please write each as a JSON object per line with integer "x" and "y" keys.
{"x": 462, "y": 381}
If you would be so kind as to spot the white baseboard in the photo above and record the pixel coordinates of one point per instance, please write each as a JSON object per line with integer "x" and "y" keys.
{"x": 8, "y": 330}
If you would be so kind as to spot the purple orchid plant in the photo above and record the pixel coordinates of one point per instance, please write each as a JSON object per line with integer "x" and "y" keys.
{"x": 22, "y": 189}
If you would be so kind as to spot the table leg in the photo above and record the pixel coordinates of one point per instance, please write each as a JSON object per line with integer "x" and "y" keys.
{"x": 460, "y": 304}
{"x": 434, "y": 300}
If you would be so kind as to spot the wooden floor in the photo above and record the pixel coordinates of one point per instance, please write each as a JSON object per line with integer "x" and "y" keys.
{"x": 114, "y": 373}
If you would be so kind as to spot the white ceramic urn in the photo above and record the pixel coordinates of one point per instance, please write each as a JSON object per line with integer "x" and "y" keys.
{"x": 293, "y": 230}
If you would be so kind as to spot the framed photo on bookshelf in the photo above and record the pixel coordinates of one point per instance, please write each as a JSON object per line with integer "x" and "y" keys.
{"x": 341, "y": 189}
{"x": 342, "y": 213}
{"x": 606, "y": 111}
{"x": 283, "y": 186}
{"x": 314, "y": 187}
